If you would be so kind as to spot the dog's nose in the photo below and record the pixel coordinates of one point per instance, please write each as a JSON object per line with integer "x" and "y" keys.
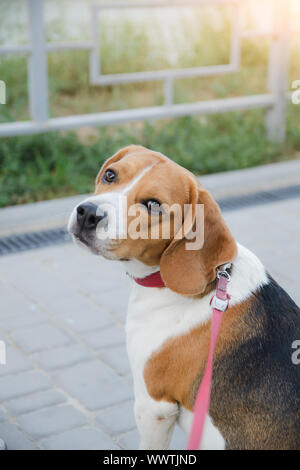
{"x": 88, "y": 216}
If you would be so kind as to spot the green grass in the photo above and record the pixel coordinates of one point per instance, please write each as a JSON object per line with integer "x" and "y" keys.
{"x": 52, "y": 165}
{"x": 58, "y": 164}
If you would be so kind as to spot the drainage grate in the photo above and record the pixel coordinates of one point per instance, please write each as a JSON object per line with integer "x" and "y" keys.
{"x": 33, "y": 240}
{"x": 259, "y": 198}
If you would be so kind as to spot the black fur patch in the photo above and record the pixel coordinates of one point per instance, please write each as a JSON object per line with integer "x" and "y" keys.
{"x": 256, "y": 387}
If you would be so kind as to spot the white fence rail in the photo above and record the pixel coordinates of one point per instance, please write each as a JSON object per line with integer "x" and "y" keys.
{"x": 274, "y": 102}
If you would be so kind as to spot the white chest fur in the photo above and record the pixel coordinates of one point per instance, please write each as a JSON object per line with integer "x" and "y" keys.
{"x": 155, "y": 315}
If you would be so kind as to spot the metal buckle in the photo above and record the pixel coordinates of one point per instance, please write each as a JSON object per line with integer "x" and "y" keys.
{"x": 222, "y": 272}
{"x": 219, "y": 304}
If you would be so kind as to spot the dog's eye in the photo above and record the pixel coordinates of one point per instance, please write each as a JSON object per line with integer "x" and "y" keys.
{"x": 109, "y": 176}
{"x": 152, "y": 205}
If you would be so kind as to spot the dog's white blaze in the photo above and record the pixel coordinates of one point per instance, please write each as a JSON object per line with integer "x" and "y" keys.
{"x": 123, "y": 201}
{"x": 137, "y": 178}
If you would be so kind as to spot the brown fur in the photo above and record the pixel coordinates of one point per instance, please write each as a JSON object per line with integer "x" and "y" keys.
{"x": 171, "y": 184}
{"x": 189, "y": 272}
{"x": 174, "y": 372}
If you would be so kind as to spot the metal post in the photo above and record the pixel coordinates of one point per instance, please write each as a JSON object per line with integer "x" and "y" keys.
{"x": 2, "y": 92}
{"x": 2, "y": 353}
{"x": 37, "y": 64}
{"x": 235, "y": 42}
{"x": 95, "y": 61}
{"x": 169, "y": 91}
{"x": 278, "y": 71}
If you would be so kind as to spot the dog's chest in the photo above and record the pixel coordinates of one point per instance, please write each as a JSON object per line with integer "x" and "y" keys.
{"x": 154, "y": 316}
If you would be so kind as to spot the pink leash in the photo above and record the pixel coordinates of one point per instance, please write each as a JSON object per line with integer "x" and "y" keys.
{"x": 219, "y": 303}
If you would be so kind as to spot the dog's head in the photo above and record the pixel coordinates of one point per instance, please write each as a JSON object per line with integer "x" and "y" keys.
{"x": 148, "y": 208}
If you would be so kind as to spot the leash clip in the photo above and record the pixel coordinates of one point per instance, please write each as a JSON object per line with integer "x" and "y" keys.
{"x": 220, "y": 301}
{"x": 222, "y": 272}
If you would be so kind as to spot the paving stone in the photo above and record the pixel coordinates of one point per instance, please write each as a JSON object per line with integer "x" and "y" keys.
{"x": 51, "y": 420}
{"x": 80, "y": 439}
{"x": 15, "y": 362}
{"x": 121, "y": 315}
{"x": 293, "y": 290}
{"x": 72, "y": 301}
{"x": 94, "y": 384}
{"x": 105, "y": 338}
{"x": 35, "y": 401}
{"x": 95, "y": 273}
{"x": 26, "y": 319}
{"x": 44, "y": 287}
{"x": 37, "y": 338}
{"x": 4, "y": 338}
{"x": 87, "y": 318}
{"x": 3, "y": 416}
{"x": 117, "y": 420}
{"x": 13, "y": 303}
{"x": 14, "y": 438}
{"x": 63, "y": 357}
{"x": 114, "y": 303}
{"x": 2, "y": 445}
{"x": 130, "y": 440}
{"x": 117, "y": 358}
{"x": 179, "y": 439}
{"x": 90, "y": 283}
{"x": 12, "y": 386}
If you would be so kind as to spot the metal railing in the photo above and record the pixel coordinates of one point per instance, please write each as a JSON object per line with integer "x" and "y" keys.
{"x": 274, "y": 101}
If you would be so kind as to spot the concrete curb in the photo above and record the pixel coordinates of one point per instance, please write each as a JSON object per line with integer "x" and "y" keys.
{"x": 252, "y": 180}
{"x": 52, "y": 214}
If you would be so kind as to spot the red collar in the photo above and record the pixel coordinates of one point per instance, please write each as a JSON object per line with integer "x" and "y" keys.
{"x": 153, "y": 280}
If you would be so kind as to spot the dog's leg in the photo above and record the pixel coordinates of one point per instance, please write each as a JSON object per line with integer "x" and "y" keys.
{"x": 212, "y": 438}
{"x": 155, "y": 421}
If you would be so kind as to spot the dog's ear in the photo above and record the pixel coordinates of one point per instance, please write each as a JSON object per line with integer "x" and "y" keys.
{"x": 117, "y": 157}
{"x": 188, "y": 271}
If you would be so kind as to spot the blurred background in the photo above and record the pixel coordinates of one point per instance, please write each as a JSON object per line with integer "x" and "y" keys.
{"x": 55, "y": 164}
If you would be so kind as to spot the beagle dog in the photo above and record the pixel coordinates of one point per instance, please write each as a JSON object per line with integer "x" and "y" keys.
{"x": 255, "y": 400}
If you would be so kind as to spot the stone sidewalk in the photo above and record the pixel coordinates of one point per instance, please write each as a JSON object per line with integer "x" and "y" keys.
{"x": 67, "y": 384}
